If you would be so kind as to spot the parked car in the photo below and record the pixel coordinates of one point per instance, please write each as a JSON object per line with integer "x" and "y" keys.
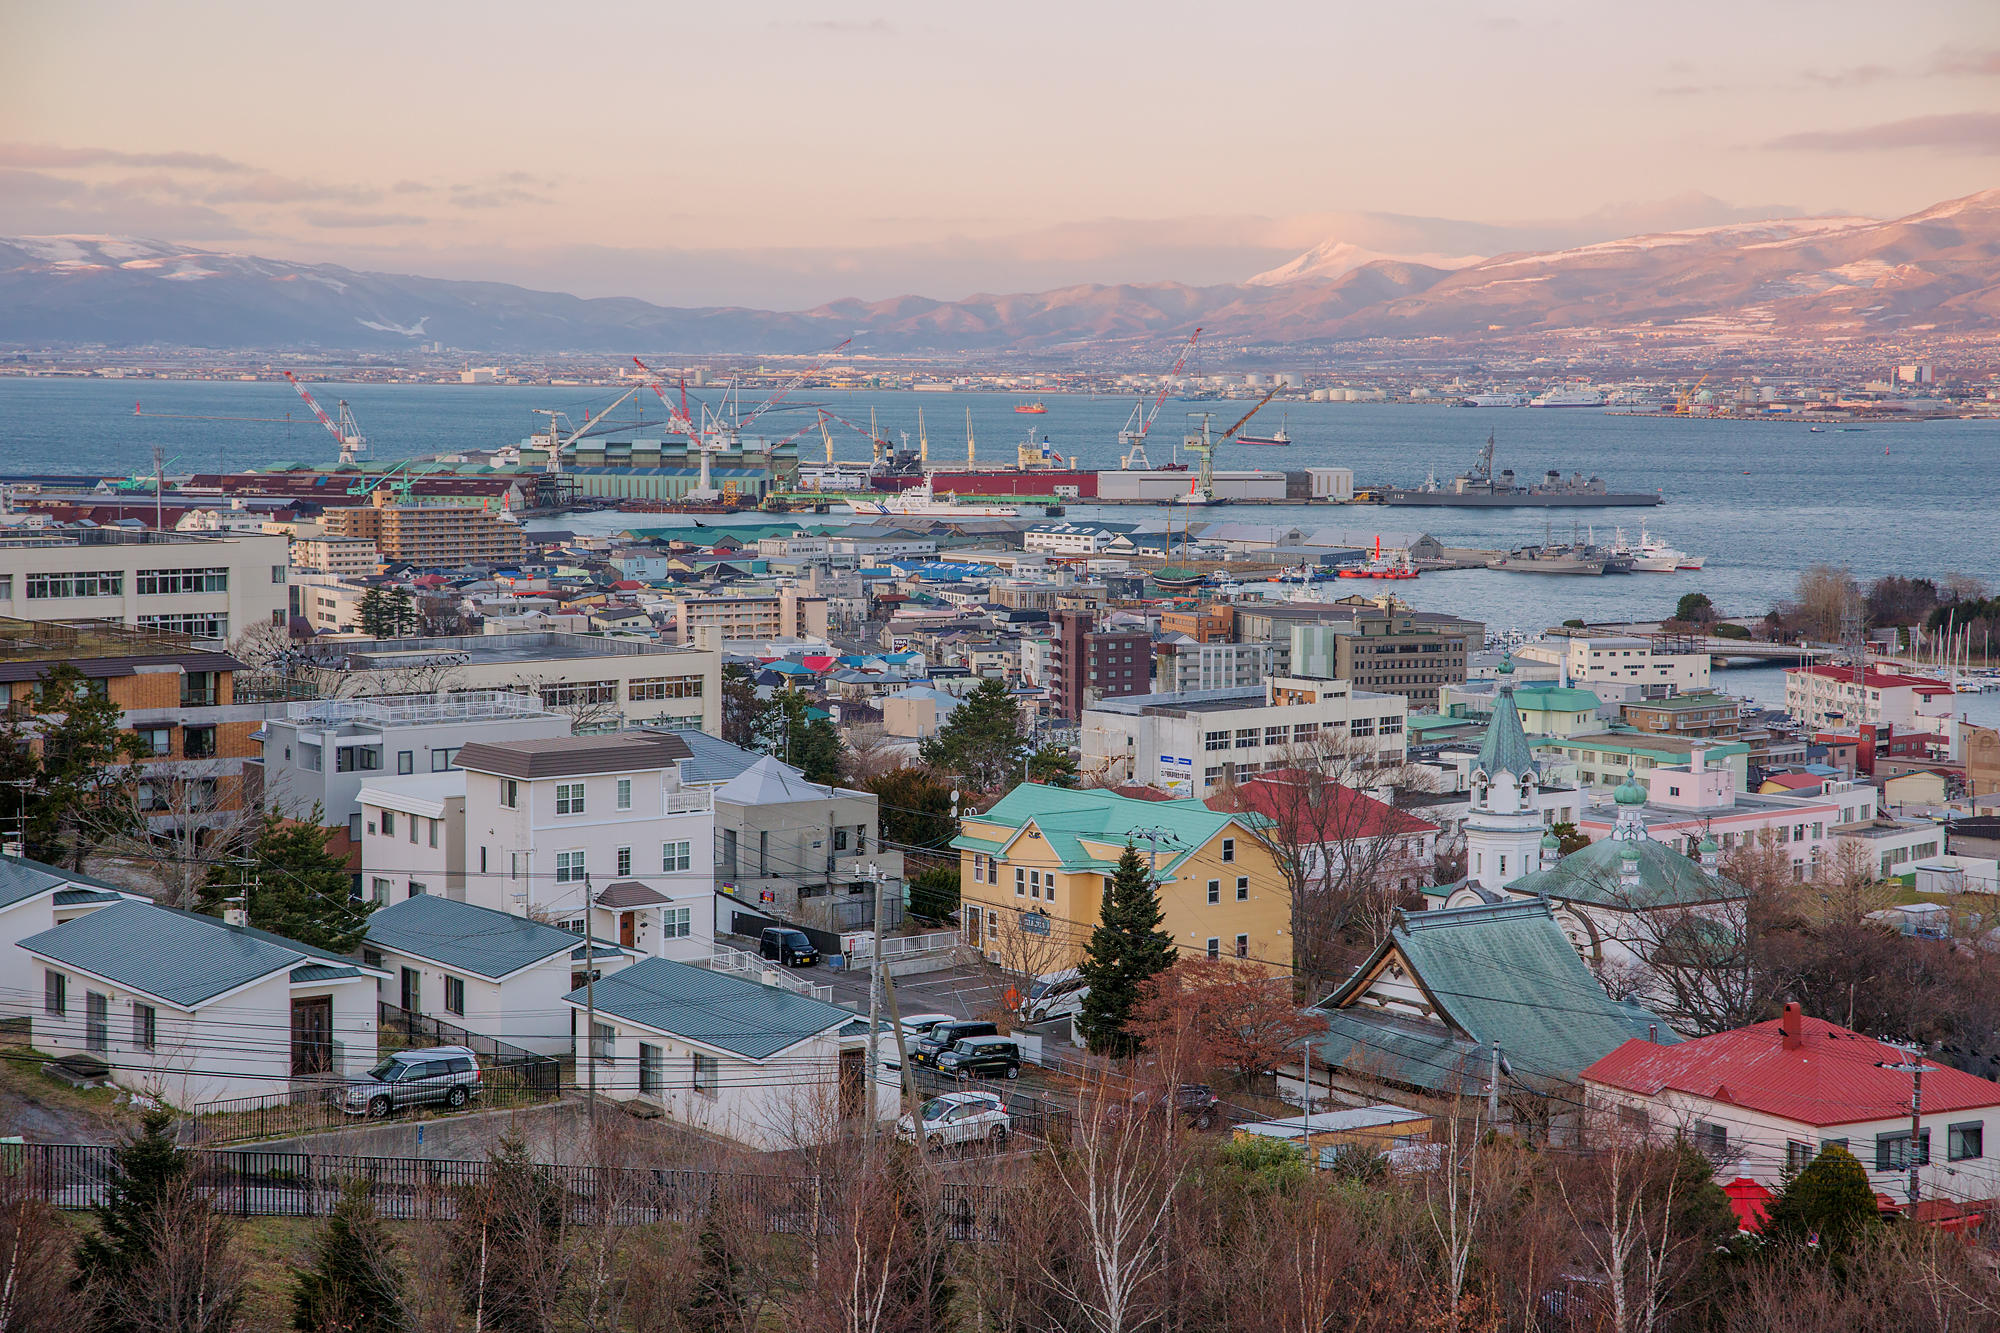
{"x": 787, "y": 946}
{"x": 918, "y": 1026}
{"x": 959, "y": 1118}
{"x": 1055, "y": 995}
{"x": 1196, "y": 1102}
{"x": 981, "y": 1057}
{"x": 436, "y": 1075}
{"x": 944, "y": 1036}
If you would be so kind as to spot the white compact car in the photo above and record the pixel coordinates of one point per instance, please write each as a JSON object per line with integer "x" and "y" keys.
{"x": 959, "y": 1118}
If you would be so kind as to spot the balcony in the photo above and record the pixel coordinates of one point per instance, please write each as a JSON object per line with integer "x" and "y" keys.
{"x": 691, "y": 801}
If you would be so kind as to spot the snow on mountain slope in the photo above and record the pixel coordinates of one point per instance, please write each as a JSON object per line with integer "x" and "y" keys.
{"x": 1333, "y": 257}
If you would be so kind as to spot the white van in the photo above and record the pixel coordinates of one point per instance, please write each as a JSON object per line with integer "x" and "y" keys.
{"x": 1055, "y": 995}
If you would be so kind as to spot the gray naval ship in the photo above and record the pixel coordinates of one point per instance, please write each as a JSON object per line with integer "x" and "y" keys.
{"x": 1481, "y": 489}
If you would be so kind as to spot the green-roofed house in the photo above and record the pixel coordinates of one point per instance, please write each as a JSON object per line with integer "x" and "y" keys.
{"x": 196, "y": 1009}
{"x": 731, "y": 1056}
{"x": 1423, "y": 1017}
{"x": 1032, "y": 871}
{"x": 498, "y": 974}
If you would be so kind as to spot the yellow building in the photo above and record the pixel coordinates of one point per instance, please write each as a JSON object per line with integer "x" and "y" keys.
{"x": 1033, "y": 870}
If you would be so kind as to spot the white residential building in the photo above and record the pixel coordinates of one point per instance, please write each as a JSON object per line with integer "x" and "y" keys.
{"x": 1185, "y": 665}
{"x": 413, "y": 837}
{"x": 336, "y": 555}
{"x": 1825, "y": 696}
{"x": 1191, "y": 743}
{"x": 209, "y": 585}
{"x": 1650, "y": 663}
{"x": 1068, "y": 538}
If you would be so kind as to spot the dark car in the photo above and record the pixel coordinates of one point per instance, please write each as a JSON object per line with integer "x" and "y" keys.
{"x": 446, "y": 1075}
{"x": 790, "y": 947}
{"x": 981, "y": 1057}
{"x": 1197, "y": 1102}
{"x": 946, "y": 1035}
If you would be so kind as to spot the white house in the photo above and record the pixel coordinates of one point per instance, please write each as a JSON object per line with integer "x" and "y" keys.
{"x": 413, "y": 836}
{"x": 493, "y": 973}
{"x": 733, "y": 1057}
{"x": 1765, "y": 1099}
{"x": 1829, "y": 695}
{"x": 193, "y": 1009}
{"x": 34, "y": 898}
{"x": 1623, "y": 660}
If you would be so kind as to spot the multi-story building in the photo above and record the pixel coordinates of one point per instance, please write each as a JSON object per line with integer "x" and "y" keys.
{"x": 778, "y": 613}
{"x": 1087, "y": 665}
{"x": 329, "y": 603}
{"x": 1214, "y": 622}
{"x": 1686, "y": 804}
{"x": 1033, "y": 871}
{"x": 1391, "y": 651}
{"x": 1193, "y": 743}
{"x": 429, "y": 534}
{"x": 208, "y": 585}
{"x": 336, "y": 555}
{"x": 1826, "y": 695}
{"x": 1707, "y": 715}
{"x": 1659, "y": 665}
{"x": 1185, "y": 664}
{"x": 1069, "y": 538}
{"x": 1599, "y": 760}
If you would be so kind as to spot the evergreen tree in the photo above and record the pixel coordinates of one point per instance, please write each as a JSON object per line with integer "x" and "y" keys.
{"x": 915, "y": 807}
{"x": 295, "y": 886}
{"x": 981, "y": 741}
{"x": 374, "y": 613}
{"x": 1053, "y": 766}
{"x": 1125, "y": 949}
{"x": 748, "y": 721}
{"x": 83, "y": 782}
{"x": 1830, "y": 1200}
{"x": 507, "y": 1247}
{"x": 934, "y": 892}
{"x": 717, "y": 1300}
{"x": 353, "y": 1284}
{"x": 811, "y": 745}
{"x": 144, "y": 1173}
{"x": 1694, "y": 607}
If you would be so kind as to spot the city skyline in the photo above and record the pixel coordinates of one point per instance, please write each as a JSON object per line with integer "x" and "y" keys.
{"x": 795, "y": 155}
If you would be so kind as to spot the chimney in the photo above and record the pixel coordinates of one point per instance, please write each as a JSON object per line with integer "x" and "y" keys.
{"x": 1695, "y": 756}
{"x": 1793, "y": 1027}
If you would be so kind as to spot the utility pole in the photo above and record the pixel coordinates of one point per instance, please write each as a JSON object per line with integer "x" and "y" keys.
{"x": 1493, "y": 1090}
{"x": 1311, "y": 1162}
{"x": 1916, "y": 1069}
{"x": 874, "y": 1013}
{"x": 590, "y": 999}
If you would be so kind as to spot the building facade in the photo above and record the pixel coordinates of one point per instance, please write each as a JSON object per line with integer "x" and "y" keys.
{"x": 434, "y": 534}
{"x": 1823, "y": 696}
{"x": 206, "y": 585}
{"x": 1087, "y": 665}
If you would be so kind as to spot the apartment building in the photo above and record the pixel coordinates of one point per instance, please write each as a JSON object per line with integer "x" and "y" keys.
{"x": 203, "y": 584}
{"x": 429, "y": 534}
{"x": 1087, "y": 665}
{"x": 1660, "y": 665}
{"x": 1707, "y": 715}
{"x": 779, "y": 613}
{"x": 329, "y": 603}
{"x": 336, "y": 555}
{"x": 1070, "y": 538}
{"x": 1185, "y": 665}
{"x": 1388, "y": 651}
{"x": 1214, "y": 622}
{"x": 797, "y": 849}
{"x": 1193, "y": 743}
{"x": 1825, "y": 695}
{"x": 598, "y": 834}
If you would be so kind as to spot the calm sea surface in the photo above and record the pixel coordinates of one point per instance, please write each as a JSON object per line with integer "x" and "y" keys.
{"x": 1760, "y": 500}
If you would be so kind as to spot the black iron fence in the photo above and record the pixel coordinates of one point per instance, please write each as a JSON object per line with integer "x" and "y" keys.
{"x": 260, "y": 1184}
{"x": 308, "y": 1110}
{"x": 501, "y": 1063}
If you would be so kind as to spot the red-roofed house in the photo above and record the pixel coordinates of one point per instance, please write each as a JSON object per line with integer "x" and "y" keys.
{"x": 1829, "y": 696}
{"x": 1339, "y": 831}
{"x": 1771, "y": 1095}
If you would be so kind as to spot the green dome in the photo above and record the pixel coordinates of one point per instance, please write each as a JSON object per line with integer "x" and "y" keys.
{"x": 1507, "y": 663}
{"x": 1629, "y": 791}
{"x": 1708, "y": 846}
{"x": 1549, "y": 843}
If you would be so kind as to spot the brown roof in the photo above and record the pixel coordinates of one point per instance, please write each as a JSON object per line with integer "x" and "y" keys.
{"x": 628, "y": 893}
{"x": 565, "y": 756}
{"x": 102, "y": 667}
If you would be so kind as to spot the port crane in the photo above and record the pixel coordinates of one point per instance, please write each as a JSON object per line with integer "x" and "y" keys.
{"x": 558, "y": 442}
{"x": 1129, "y": 436}
{"x": 346, "y": 434}
{"x": 1244, "y": 420}
{"x": 399, "y": 486}
{"x": 1684, "y": 403}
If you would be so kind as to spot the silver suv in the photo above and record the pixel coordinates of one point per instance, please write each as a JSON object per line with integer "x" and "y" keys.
{"x": 959, "y": 1118}
{"x": 437, "y": 1075}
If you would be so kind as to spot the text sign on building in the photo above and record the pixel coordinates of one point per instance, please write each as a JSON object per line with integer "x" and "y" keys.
{"x": 1034, "y": 923}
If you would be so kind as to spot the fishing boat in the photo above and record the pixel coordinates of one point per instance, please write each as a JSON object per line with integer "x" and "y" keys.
{"x": 1379, "y": 568}
{"x": 1037, "y": 407}
{"x": 920, "y": 501}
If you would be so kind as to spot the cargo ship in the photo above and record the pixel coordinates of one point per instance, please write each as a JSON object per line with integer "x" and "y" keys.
{"x": 920, "y": 501}
{"x": 1037, "y": 407}
{"x": 1279, "y": 437}
{"x": 1482, "y": 489}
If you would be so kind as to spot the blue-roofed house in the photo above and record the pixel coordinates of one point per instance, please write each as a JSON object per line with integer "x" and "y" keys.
{"x": 731, "y": 1056}
{"x": 494, "y": 973}
{"x": 195, "y": 1009}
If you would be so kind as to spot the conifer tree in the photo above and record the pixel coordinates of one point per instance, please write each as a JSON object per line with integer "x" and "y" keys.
{"x": 1125, "y": 949}
{"x": 811, "y": 745}
{"x": 353, "y": 1284}
{"x": 1830, "y": 1203}
{"x": 144, "y": 1173}
{"x": 82, "y": 786}
{"x": 295, "y": 886}
{"x": 981, "y": 741}
{"x": 716, "y": 1303}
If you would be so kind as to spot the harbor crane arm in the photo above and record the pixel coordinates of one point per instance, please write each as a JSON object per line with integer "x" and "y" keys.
{"x": 350, "y": 441}
{"x": 676, "y": 420}
{"x": 1230, "y": 434}
{"x": 1165, "y": 388}
{"x": 796, "y": 381}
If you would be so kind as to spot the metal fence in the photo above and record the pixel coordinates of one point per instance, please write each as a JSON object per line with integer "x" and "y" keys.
{"x": 722, "y": 958}
{"x": 257, "y": 1184}
{"x": 504, "y": 1064}
{"x": 309, "y": 1110}
{"x": 901, "y": 946}
{"x": 1036, "y": 1117}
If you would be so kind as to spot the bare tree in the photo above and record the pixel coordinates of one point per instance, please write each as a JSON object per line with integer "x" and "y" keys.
{"x": 195, "y": 817}
{"x": 192, "y": 1279}
{"x": 1117, "y": 1181}
{"x": 35, "y": 1264}
{"x": 1453, "y": 1190}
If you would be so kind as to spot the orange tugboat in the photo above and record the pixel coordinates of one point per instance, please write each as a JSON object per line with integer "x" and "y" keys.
{"x": 1037, "y": 407}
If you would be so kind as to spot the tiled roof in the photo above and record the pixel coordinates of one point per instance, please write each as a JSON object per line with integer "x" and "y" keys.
{"x": 748, "y": 1018}
{"x": 22, "y": 879}
{"x": 466, "y": 938}
{"x": 182, "y": 958}
{"x": 1591, "y": 874}
{"x": 1834, "y": 1077}
{"x": 567, "y": 756}
{"x": 1503, "y": 972}
{"x": 631, "y": 893}
{"x": 1352, "y": 814}
{"x": 1506, "y": 749}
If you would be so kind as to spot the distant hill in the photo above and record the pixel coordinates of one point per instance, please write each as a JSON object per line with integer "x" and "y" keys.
{"x": 1938, "y": 269}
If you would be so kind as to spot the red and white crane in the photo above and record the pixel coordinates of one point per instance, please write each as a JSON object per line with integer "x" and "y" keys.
{"x": 346, "y": 433}
{"x": 1167, "y": 384}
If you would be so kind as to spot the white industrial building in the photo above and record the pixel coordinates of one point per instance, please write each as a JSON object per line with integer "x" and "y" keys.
{"x": 209, "y": 585}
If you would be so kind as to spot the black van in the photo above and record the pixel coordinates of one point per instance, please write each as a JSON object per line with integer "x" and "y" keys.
{"x": 787, "y": 946}
{"x": 946, "y": 1035}
{"x": 981, "y": 1057}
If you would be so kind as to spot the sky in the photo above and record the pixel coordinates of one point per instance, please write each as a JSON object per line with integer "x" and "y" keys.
{"x": 783, "y": 154}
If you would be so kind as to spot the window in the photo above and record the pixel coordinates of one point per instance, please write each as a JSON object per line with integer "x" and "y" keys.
{"x": 839, "y": 839}
{"x": 650, "y": 1082}
{"x": 707, "y": 1072}
{"x": 569, "y": 867}
{"x": 199, "y": 624}
{"x": 99, "y": 583}
{"x": 406, "y": 762}
{"x": 979, "y": 867}
{"x": 1242, "y": 946}
{"x": 1211, "y": 776}
{"x": 163, "y": 582}
{"x": 1215, "y": 891}
{"x": 96, "y": 1021}
{"x": 676, "y": 923}
{"x": 1215, "y": 740}
{"x": 198, "y": 742}
{"x": 569, "y": 798}
{"x": 157, "y": 740}
{"x": 55, "y": 994}
{"x": 570, "y": 694}
{"x": 434, "y": 831}
{"x": 1892, "y": 1151}
{"x": 729, "y": 852}
{"x": 510, "y": 793}
{"x": 388, "y": 823}
{"x": 1797, "y": 1155}
{"x": 624, "y": 793}
{"x": 1711, "y": 1138}
{"x": 1228, "y": 849}
{"x": 575, "y": 927}
{"x": 1966, "y": 1141}
{"x": 417, "y": 890}
{"x": 1242, "y": 888}
{"x": 445, "y": 758}
{"x": 603, "y": 1043}
{"x": 413, "y": 830}
{"x": 763, "y": 852}
{"x": 1277, "y": 735}
{"x": 354, "y": 828}
{"x": 624, "y": 861}
{"x": 1361, "y": 726}
{"x": 6, "y": 587}
{"x": 381, "y": 890}
{"x": 1247, "y": 738}
{"x": 278, "y": 573}
{"x": 454, "y": 995}
{"x": 146, "y": 1027}
{"x": 1020, "y": 882}
{"x": 663, "y": 687}
{"x": 676, "y": 856}
{"x": 1215, "y": 948}
{"x": 482, "y": 860}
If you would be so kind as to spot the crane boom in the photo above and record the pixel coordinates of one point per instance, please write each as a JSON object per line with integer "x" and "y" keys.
{"x": 1243, "y": 420}
{"x": 796, "y": 381}
{"x": 1161, "y": 397}
{"x": 346, "y": 434}
{"x": 676, "y": 420}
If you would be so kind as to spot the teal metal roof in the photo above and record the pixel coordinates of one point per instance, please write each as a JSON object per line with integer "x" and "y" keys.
{"x": 79, "y": 897}
{"x": 1494, "y": 972}
{"x": 1506, "y": 748}
{"x": 1591, "y": 875}
{"x": 747, "y": 1018}
{"x": 1062, "y": 816}
{"x": 181, "y": 957}
{"x": 323, "y": 972}
{"x": 466, "y": 938}
{"x": 22, "y": 879}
